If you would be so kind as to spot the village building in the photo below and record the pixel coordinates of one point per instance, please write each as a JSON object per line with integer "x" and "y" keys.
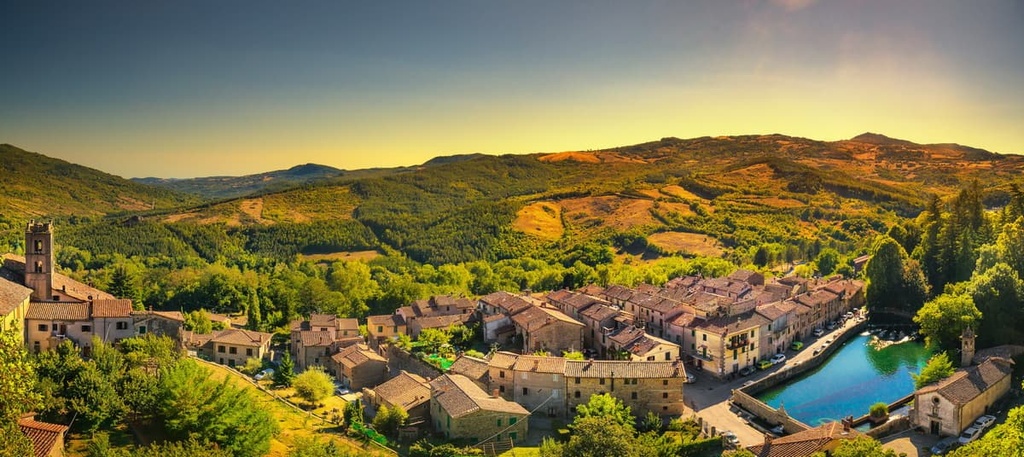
{"x": 823, "y": 438}
{"x": 500, "y": 374}
{"x": 473, "y": 368}
{"x": 502, "y": 302}
{"x": 358, "y": 366}
{"x": 47, "y": 324}
{"x": 436, "y": 306}
{"x": 384, "y": 328}
{"x": 160, "y": 323}
{"x": 417, "y": 325}
{"x": 597, "y": 320}
{"x": 724, "y": 345}
{"x": 572, "y": 304}
{"x": 314, "y": 349}
{"x": 233, "y": 347}
{"x": 952, "y": 404}
{"x": 539, "y": 384}
{"x": 646, "y": 387}
{"x": 409, "y": 391}
{"x": 777, "y": 334}
{"x": 548, "y": 330}
{"x": 633, "y": 343}
{"x": 460, "y": 409}
{"x": 14, "y": 299}
{"x": 47, "y": 439}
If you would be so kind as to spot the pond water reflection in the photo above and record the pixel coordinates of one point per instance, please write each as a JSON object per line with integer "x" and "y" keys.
{"x": 850, "y": 381}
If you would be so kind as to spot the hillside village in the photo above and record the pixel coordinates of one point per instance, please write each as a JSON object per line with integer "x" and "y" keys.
{"x": 639, "y": 343}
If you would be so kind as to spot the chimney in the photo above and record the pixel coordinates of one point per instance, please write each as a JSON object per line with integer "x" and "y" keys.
{"x": 767, "y": 440}
{"x": 494, "y": 393}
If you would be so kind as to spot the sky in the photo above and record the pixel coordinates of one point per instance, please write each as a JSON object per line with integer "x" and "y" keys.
{"x": 199, "y": 88}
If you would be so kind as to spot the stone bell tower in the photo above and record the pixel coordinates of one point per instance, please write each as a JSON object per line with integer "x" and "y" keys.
{"x": 39, "y": 260}
{"x": 966, "y": 347}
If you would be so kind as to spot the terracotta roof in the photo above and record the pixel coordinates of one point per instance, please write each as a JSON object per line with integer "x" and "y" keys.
{"x": 51, "y": 311}
{"x": 618, "y": 292}
{"x": 623, "y": 369}
{"x": 193, "y": 339}
{"x": 1006, "y": 351}
{"x": 683, "y": 282}
{"x": 626, "y": 335}
{"x": 12, "y": 294}
{"x": 647, "y": 343}
{"x": 743, "y": 275}
{"x": 311, "y": 338}
{"x": 593, "y": 290}
{"x": 406, "y": 390}
{"x": 459, "y": 396}
{"x": 600, "y": 312}
{"x": 538, "y": 364}
{"x": 509, "y": 303}
{"x": 470, "y": 367}
{"x": 684, "y": 320}
{"x": 385, "y": 320}
{"x": 536, "y": 317}
{"x": 442, "y": 321}
{"x": 774, "y": 311}
{"x": 737, "y": 287}
{"x": 322, "y": 320}
{"x": 502, "y": 359}
{"x": 732, "y": 324}
{"x": 112, "y": 308}
{"x": 241, "y": 337}
{"x": 804, "y": 443}
{"x": 573, "y": 300}
{"x": 62, "y": 285}
{"x": 348, "y": 324}
{"x": 966, "y": 384}
{"x": 357, "y": 355}
{"x": 43, "y": 435}
{"x": 169, "y": 315}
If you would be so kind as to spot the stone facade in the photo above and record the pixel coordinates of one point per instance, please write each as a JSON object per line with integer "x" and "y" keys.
{"x": 460, "y": 409}
{"x": 951, "y": 405}
{"x": 643, "y": 386}
{"x": 233, "y": 347}
{"x": 359, "y": 366}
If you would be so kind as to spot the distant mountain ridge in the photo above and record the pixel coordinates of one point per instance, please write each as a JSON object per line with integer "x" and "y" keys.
{"x": 219, "y": 187}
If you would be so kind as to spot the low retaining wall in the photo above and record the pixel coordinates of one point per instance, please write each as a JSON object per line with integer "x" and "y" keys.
{"x": 400, "y": 359}
{"x": 744, "y": 396}
{"x": 896, "y": 425}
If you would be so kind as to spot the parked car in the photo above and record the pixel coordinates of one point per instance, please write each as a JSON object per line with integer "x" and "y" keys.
{"x": 969, "y": 435}
{"x": 778, "y": 429}
{"x": 819, "y": 331}
{"x": 778, "y": 358}
{"x": 690, "y": 379}
{"x": 764, "y": 364}
{"x": 266, "y": 373}
{"x": 848, "y": 314}
{"x": 730, "y": 439}
{"x": 747, "y": 370}
{"x": 984, "y": 422}
{"x": 797, "y": 345}
{"x": 944, "y": 446}
{"x": 820, "y": 349}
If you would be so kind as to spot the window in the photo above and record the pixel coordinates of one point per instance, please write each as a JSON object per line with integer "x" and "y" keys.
{"x": 248, "y": 352}
{"x": 35, "y": 348}
{"x": 499, "y": 422}
{"x": 142, "y": 330}
{"x": 704, "y": 337}
{"x": 39, "y": 246}
{"x": 668, "y": 356}
{"x": 577, "y": 380}
{"x": 650, "y": 358}
{"x": 501, "y": 389}
{"x": 664, "y": 395}
{"x": 513, "y": 436}
{"x": 693, "y": 333}
{"x": 220, "y": 349}
{"x": 693, "y": 346}
{"x": 512, "y": 420}
{"x": 664, "y": 382}
{"x": 751, "y": 333}
{"x": 632, "y": 395}
{"x": 601, "y": 381}
{"x": 39, "y": 266}
{"x": 501, "y": 374}
{"x": 232, "y": 350}
{"x": 574, "y": 395}
{"x": 526, "y": 391}
{"x": 734, "y": 354}
{"x": 43, "y": 328}
{"x": 121, "y": 325}
{"x": 751, "y": 346}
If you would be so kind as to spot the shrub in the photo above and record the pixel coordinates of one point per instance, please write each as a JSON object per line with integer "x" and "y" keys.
{"x": 879, "y": 409}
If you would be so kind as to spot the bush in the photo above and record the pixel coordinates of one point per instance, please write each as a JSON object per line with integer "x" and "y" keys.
{"x": 879, "y": 409}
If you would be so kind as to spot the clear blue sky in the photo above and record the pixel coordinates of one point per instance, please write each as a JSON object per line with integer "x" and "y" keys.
{"x": 185, "y": 88}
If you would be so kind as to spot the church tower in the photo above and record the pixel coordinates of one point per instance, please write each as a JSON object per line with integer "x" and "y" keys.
{"x": 966, "y": 347}
{"x": 39, "y": 260}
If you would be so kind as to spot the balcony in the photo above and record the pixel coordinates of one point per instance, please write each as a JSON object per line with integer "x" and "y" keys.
{"x": 703, "y": 356}
{"x": 737, "y": 343}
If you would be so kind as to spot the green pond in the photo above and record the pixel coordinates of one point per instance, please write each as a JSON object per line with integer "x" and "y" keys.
{"x": 850, "y": 381}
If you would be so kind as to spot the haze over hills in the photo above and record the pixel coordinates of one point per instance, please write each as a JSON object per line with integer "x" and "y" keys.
{"x": 697, "y": 196}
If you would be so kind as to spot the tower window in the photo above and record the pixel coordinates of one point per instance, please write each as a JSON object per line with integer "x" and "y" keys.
{"x": 39, "y": 246}
{"x": 39, "y": 266}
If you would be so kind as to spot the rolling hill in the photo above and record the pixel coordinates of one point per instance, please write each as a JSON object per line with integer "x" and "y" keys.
{"x": 704, "y": 196}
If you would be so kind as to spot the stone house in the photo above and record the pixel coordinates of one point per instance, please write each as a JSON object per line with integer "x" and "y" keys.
{"x": 723, "y": 345}
{"x": 572, "y": 304}
{"x": 161, "y": 323}
{"x": 643, "y": 386}
{"x": 597, "y": 320}
{"x": 47, "y": 439}
{"x": 952, "y": 404}
{"x": 232, "y": 347}
{"x": 777, "y": 334}
{"x": 500, "y": 375}
{"x": 47, "y": 324}
{"x": 417, "y": 325}
{"x": 750, "y": 277}
{"x": 653, "y": 310}
{"x": 383, "y": 328}
{"x": 823, "y": 438}
{"x": 635, "y": 344}
{"x": 407, "y": 390}
{"x": 314, "y": 348}
{"x": 460, "y": 409}
{"x": 477, "y": 370}
{"x": 359, "y": 366}
{"x": 502, "y": 302}
{"x": 498, "y": 328}
{"x": 434, "y": 307}
{"x": 539, "y": 384}
{"x": 547, "y": 329}
{"x": 112, "y": 319}
{"x": 14, "y": 300}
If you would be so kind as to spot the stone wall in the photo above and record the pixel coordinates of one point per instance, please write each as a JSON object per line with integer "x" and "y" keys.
{"x": 770, "y": 415}
{"x": 896, "y": 425}
{"x": 400, "y": 359}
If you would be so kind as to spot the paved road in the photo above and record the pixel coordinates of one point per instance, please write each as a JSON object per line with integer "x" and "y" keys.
{"x": 708, "y": 397}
